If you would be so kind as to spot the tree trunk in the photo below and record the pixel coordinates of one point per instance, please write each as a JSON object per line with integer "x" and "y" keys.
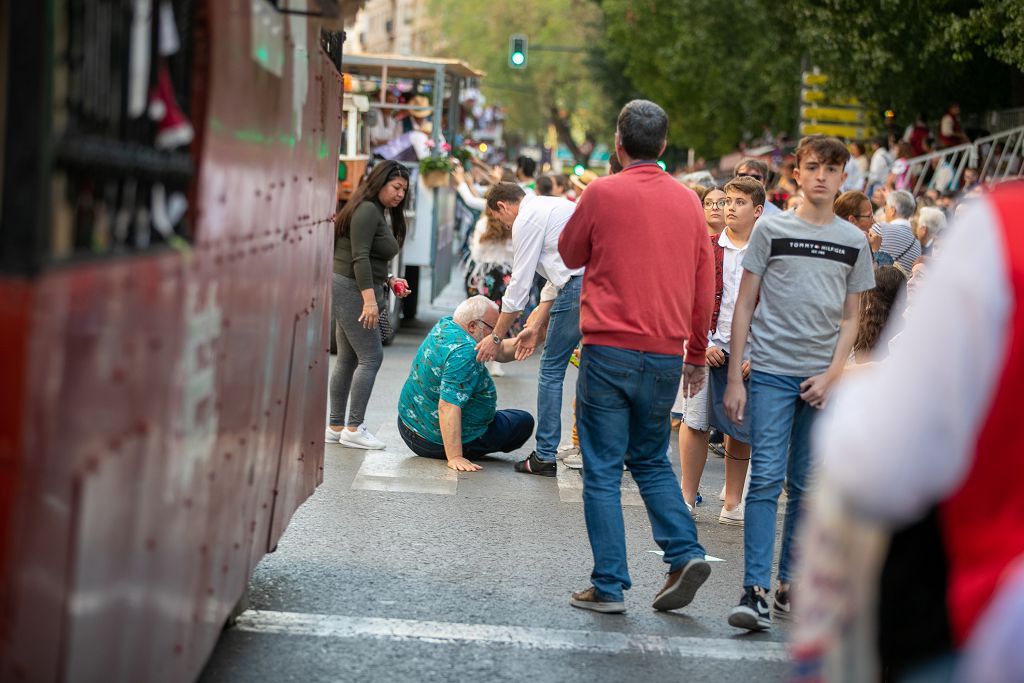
{"x": 565, "y": 135}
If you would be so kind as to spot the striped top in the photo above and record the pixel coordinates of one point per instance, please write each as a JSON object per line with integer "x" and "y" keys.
{"x": 899, "y": 242}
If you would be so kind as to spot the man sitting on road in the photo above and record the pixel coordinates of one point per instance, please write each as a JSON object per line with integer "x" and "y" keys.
{"x": 448, "y": 406}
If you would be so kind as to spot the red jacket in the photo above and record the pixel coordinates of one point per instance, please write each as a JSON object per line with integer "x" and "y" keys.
{"x": 983, "y": 521}
{"x": 649, "y": 283}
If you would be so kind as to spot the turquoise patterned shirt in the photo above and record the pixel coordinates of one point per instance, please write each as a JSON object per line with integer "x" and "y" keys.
{"x": 446, "y": 368}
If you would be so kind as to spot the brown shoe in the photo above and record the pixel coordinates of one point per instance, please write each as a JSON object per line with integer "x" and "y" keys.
{"x": 682, "y": 585}
{"x": 590, "y": 599}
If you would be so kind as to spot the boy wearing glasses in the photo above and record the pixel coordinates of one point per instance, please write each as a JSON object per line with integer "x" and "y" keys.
{"x": 804, "y": 271}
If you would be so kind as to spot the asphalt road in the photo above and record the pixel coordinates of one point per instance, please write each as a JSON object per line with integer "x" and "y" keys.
{"x": 399, "y": 569}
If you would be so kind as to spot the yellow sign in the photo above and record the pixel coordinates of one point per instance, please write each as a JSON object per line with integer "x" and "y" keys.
{"x": 819, "y": 97}
{"x": 813, "y": 79}
{"x": 836, "y": 129}
{"x": 832, "y": 114}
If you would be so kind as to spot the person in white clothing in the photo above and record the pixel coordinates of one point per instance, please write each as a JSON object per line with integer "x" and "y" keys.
{"x": 537, "y": 223}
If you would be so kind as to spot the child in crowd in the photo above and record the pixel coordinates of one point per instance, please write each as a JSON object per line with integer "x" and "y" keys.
{"x": 744, "y": 203}
{"x": 805, "y": 271}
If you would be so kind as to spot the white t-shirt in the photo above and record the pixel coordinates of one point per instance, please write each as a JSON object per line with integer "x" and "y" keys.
{"x": 732, "y": 272}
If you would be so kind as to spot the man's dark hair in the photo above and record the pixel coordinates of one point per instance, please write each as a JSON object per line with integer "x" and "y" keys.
{"x": 827, "y": 149}
{"x": 510, "y": 193}
{"x": 526, "y": 166}
{"x": 752, "y": 164}
{"x": 643, "y": 129}
{"x": 545, "y": 186}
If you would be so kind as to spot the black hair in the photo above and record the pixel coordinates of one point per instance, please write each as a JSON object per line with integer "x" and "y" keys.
{"x": 545, "y": 186}
{"x": 643, "y": 129}
{"x": 368, "y": 190}
{"x": 527, "y": 165}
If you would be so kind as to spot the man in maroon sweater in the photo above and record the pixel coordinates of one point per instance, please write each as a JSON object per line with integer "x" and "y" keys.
{"x": 647, "y": 297}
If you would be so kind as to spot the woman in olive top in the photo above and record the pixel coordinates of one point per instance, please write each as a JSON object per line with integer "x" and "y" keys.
{"x": 364, "y": 245}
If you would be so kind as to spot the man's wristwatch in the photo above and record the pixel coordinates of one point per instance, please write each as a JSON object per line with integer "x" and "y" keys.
{"x": 496, "y": 339}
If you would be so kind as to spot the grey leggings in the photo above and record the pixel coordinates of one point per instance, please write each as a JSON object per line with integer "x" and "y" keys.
{"x": 359, "y": 354}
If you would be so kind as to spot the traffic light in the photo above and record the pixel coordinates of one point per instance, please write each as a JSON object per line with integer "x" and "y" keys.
{"x": 517, "y": 45}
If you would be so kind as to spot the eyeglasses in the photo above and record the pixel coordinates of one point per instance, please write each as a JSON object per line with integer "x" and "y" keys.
{"x": 711, "y": 205}
{"x": 756, "y": 176}
{"x": 485, "y": 323}
{"x": 870, "y": 215}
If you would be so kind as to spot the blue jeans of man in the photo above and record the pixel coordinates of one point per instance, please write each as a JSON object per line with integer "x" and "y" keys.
{"x": 562, "y": 337}
{"x": 507, "y": 432}
{"x": 780, "y": 431}
{"x": 623, "y": 400}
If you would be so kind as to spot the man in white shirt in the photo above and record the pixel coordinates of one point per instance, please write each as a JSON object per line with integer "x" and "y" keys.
{"x": 537, "y": 223}
{"x": 881, "y": 163}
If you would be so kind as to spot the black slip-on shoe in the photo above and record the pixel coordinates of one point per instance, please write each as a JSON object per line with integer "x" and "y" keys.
{"x": 534, "y": 465}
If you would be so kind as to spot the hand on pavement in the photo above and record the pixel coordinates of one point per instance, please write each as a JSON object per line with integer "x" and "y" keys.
{"x": 460, "y": 464}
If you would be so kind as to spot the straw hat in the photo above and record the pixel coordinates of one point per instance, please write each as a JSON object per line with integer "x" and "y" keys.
{"x": 420, "y": 101}
{"x": 580, "y": 182}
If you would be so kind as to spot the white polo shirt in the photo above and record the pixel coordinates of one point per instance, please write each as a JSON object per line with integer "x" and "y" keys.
{"x": 732, "y": 272}
{"x": 535, "y": 234}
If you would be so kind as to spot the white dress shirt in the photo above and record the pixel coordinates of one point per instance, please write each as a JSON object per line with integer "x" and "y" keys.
{"x": 535, "y": 236}
{"x": 899, "y": 436}
{"x": 732, "y": 271}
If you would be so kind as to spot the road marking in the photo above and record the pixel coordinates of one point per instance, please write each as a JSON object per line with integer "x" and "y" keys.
{"x": 598, "y": 642}
{"x": 570, "y": 487}
{"x": 707, "y": 558}
{"x": 399, "y": 470}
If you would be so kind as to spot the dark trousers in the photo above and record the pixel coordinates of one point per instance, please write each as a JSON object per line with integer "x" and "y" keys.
{"x": 508, "y": 431}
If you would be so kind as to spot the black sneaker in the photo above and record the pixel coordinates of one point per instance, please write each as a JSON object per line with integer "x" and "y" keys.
{"x": 534, "y": 465}
{"x": 752, "y": 612}
{"x": 781, "y": 605}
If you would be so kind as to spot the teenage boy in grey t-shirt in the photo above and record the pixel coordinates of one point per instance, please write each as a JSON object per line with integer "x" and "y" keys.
{"x": 804, "y": 271}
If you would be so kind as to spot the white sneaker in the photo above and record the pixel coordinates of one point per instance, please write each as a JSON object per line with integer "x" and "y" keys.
{"x": 732, "y": 517}
{"x": 692, "y": 509}
{"x": 570, "y": 457}
{"x": 332, "y": 436}
{"x": 361, "y": 438}
{"x": 494, "y": 367}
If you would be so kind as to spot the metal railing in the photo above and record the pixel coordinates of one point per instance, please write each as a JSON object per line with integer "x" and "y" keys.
{"x": 994, "y": 157}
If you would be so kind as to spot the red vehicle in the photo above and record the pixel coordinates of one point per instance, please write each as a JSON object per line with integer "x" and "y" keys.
{"x": 168, "y": 185}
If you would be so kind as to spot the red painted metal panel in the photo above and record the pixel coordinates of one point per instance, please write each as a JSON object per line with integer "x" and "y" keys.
{"x": 162, "y": 415}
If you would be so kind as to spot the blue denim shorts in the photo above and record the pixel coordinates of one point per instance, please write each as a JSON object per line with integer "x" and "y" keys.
{"x": 718, "y": 378}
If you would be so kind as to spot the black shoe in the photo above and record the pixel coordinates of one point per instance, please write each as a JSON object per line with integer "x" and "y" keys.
{"x": 534, "y": 465}
{"x": 752, "y": 612}
{"x": 781, "y": 605}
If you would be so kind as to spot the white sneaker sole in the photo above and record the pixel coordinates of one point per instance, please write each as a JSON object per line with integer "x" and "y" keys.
{"x": 723, "y": 518}
{"x": 602, "y": 607}
{"x": 744, "y": 617}
{"x": 365, "y": 447}
{"x": 332, "y": 436}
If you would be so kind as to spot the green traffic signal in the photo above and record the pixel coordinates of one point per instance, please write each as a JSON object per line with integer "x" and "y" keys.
{"x": 517, "y": 46}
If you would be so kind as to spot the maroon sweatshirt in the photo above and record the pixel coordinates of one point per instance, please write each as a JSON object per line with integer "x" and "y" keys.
{"x": 649, "y": 283}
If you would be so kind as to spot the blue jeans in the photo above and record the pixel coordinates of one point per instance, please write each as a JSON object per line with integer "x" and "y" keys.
{"x": 562, "y": 338}
{"x": 780, "y": 430}
{"x": 508, "y": 431}
{"x": 623, "y": 399}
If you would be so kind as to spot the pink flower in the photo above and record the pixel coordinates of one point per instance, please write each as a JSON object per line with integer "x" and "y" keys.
{"x": 446, "y": 147}
{"x": 430, "y": 144}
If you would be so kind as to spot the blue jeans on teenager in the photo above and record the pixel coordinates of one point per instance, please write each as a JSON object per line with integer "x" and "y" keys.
{"x": 508, "y": 431}
{"x": 780, "y": 430}
{"x": 562, "y": 337}
{"x": 623, "y": 399}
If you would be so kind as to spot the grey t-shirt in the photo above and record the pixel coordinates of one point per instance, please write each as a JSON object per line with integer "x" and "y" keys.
{"x": 806, "y": 272}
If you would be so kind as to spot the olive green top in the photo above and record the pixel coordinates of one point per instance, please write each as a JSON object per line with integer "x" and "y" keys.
{"x": 365, "y": 251}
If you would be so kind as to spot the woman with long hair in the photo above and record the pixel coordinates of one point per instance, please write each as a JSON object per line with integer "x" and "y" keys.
{"x": 877, "y": 306}
{"x": 368, "y": 232}
{"x": 490, "y": 270}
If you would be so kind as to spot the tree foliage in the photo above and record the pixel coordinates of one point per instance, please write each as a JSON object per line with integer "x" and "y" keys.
{"x": 914, "y": 55}
{"x": 555, "y": 87}
{"x": 718, "y": 73}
